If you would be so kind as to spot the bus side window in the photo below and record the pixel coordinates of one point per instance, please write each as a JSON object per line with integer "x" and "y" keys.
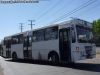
{"x": 34, "y": 39}
{"x": 30, "y": 40}
{"x": 73, "y": 35}
{"x": 40, "y": 35}
{"x": 51, "y": 33}
{"x": 14, "y": 40}
{"x": 20, "y": 39}
{"x": 9, "y": 43}
{"x": 55, "y": 32}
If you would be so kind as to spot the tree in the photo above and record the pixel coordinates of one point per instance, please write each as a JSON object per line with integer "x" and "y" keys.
{"x": 96, "y": 30}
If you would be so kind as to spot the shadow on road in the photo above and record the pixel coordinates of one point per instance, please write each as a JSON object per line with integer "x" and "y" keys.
{"x": 80, "y": 66}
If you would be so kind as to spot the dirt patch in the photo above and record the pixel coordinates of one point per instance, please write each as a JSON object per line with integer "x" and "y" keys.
{"x": 1, "y": 71}
{"x": 98, "y": 52}
{"x": 92, "y": 61}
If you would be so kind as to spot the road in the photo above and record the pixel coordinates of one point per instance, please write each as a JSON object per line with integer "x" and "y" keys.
{"x": 84, "y": 67}
{"x": 40, "y": 68}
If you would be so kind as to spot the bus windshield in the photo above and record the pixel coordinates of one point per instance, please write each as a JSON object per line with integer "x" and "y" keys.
{"x": 84, "y": 35}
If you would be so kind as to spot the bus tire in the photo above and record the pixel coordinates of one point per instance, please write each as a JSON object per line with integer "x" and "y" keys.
{"x": 71, "y": 63}
{"x": 55, "y": 59}
{"x": 14, "y": 57}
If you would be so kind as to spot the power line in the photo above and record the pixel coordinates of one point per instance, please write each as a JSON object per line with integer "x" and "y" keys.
{"x": 57, "y": 11}
{"x": 93, "y": 14}
{"x": 75, "y": 10}
{"x": 45, "y": 7}
{"x": 50, "y": 8}
{"x": 31, "y": 23}
{"x": 21, "y": 27}
{"x": 87, "y": 10}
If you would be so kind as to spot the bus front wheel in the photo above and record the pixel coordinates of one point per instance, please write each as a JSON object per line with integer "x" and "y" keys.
{"x": 55, "y": 59}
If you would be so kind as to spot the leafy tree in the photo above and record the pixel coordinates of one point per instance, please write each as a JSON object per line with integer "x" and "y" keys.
{"x": 96, "y": 30}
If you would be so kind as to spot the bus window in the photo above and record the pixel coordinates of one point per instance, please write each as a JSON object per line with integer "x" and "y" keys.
{"x": 40, "y": 35}
{"x": 51, "y": 33}
{"x": 25, "y": 41}
{"x": 14, "y": 40}
{"x": 8, "y": 43}
{"x": 30, "y": 41}
{"x": 34, "y": 36}
{"x": 55, "y": 33}
{"x": 48, "y": 33}
{"x": 65, "y": 35}
{"x": 20, "y": 39}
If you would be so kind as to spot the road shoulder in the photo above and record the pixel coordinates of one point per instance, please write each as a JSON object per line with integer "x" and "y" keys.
{"x": 1, "y": 70}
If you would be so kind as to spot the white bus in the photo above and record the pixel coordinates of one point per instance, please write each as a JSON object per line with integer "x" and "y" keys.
{"x": 67, "y": 41}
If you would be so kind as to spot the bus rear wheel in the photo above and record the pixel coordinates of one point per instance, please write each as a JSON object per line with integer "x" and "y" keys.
{"x": 55, "y": 59}
{"x": 14, "y": 57}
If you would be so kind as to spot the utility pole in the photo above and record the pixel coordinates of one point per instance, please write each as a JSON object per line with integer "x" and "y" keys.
{"x": 21, "y": 27}
{"x": 31, "y": 23}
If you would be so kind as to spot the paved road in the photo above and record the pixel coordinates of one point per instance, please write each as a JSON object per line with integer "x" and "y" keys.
{"x": 42, "y": 68}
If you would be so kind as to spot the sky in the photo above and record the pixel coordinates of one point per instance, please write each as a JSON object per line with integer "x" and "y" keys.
{"x": 44, "y": 12}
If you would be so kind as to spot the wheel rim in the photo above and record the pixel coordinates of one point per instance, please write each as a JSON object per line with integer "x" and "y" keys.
{"x": 53, "y": 58}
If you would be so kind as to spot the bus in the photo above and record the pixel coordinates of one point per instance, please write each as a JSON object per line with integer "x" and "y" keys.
{"x": 68, "y": 41}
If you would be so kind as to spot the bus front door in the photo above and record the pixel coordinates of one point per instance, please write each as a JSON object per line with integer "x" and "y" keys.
{"x": 64, "y": 44}
{"x": 27, "y": 52}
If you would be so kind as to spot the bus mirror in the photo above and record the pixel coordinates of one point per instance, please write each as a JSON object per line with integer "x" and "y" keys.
{"x": 73, "y": 35}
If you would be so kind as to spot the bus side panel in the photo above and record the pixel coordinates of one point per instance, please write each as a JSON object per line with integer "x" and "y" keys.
{"x": 74, "y": 53}
{"x": 40, "y": 50}
{"x": 94, "y": 50}
{"x": 18, "y": 48}
{"x": 84, "y": 50}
